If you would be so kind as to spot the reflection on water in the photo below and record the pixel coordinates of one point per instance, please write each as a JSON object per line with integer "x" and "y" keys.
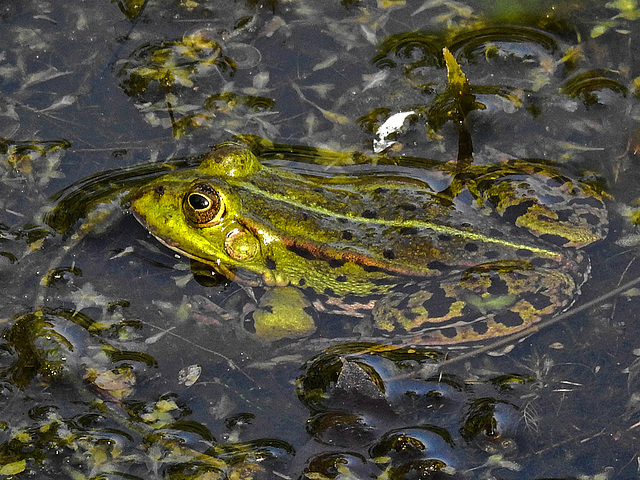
{"x": 101, "y": 322}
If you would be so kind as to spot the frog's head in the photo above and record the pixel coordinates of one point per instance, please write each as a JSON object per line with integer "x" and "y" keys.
{"x": 198, "y": 213}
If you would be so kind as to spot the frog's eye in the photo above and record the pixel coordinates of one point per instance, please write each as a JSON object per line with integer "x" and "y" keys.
{"x": 203, "y": 206}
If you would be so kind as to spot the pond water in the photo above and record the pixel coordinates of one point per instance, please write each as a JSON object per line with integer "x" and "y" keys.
{"x": 121, "y": 359}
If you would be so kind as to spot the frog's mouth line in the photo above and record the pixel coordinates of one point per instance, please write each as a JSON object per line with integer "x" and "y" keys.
{"x": 174, "y": 245}
{"x": 219, "y": 268}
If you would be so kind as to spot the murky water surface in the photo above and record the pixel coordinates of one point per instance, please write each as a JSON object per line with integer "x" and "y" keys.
{"x": 116, "y": 361}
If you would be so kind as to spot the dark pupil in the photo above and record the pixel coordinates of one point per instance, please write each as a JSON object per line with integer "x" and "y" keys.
{"x": 198, "y": 202}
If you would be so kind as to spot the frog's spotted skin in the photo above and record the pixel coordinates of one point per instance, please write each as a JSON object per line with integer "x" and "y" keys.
{"x": 499, "y": 301}
{"x": 436, "y": 256}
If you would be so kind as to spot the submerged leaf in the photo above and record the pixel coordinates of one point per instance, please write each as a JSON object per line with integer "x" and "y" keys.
{"x": 13, "y": 468}
{"x": 39, "y": 348}
{"x": 455, "y": 76}
{"x": 458, "y": 99}
{"x": 130, "y": 8}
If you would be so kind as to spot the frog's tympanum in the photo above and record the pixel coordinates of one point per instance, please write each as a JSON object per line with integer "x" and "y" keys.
{"x": 432, "y": 256}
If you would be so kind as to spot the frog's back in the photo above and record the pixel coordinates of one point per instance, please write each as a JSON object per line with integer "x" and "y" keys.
{"x": 422, "y": 226}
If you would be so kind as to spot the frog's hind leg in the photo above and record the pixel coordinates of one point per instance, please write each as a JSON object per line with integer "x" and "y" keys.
{"x": 487, "y": 301}
{"x": 562, "y": 211}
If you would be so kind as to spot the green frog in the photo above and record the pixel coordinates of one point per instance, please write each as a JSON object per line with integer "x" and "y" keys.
{"x": 431, "y": 256}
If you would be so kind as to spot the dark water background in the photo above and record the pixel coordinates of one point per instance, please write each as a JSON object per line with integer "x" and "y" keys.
{"x": 75, "y": 100}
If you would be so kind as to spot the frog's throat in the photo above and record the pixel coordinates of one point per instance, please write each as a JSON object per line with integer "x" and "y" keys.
{"x": 444, "y": 229}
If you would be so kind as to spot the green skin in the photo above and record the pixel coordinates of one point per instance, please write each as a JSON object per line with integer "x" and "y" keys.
{"x": 390, "y": 240}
